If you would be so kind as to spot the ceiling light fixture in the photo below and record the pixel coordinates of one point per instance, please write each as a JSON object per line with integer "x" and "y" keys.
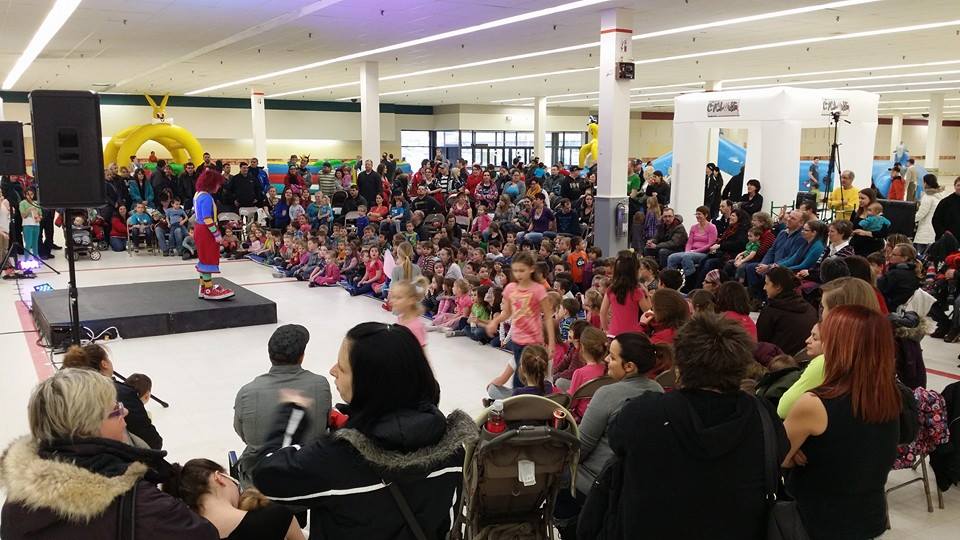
{"x": 635, "y": 89}
{"x": 869, "y": 78}
{"x": 571, "y": 48}
{"x": 803, "y": 41}
{"x": 777, "y": 44}
{"x": 411, "y": 43}
{"x": 848, "y": 70}
{"x": 52, "y": 23}
{"x": 474, "y": 83}
{"x": 912, "y": 90}
{"x": 314, "y": 89}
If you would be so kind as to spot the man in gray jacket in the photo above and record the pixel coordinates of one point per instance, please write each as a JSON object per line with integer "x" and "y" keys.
{"x": 257, "y": 400}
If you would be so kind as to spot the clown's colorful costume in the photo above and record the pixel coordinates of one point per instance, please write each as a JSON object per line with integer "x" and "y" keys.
{"x": 207, "y": 237}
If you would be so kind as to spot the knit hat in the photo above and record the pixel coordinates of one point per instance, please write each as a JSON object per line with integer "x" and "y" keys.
{"x": 713, "y": 276}
{"x": 287, "y": 344}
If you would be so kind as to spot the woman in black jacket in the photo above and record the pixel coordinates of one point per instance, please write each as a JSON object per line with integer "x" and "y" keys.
{"x": 902, "y": 277}
{"x": 712, "y": 184}
{"x": 395, "y": 444}
{"x": 94, "y": 357}
{"x": 787, "y": 319}
{"x": 865, "y": 242}
{"x": 691, "y": 461}
{"x": 752, "y": 202}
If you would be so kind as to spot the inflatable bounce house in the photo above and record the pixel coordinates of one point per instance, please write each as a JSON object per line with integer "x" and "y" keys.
{"x": 181, "y": 144}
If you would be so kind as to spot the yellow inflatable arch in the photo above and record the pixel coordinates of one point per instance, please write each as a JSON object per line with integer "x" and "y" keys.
{"x": 181, "y": 144}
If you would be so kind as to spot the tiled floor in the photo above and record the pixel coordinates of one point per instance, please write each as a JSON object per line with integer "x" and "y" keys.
{"x": 199, "y": 373}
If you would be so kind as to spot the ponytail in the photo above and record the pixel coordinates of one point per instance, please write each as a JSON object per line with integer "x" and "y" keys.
{"x": 191, "y": 481}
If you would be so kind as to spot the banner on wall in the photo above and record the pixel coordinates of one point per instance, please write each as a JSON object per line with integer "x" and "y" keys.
{"x": 723, "y": 107}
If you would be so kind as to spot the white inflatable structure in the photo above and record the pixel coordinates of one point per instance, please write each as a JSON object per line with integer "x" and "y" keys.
{"x": 773, "y": 118}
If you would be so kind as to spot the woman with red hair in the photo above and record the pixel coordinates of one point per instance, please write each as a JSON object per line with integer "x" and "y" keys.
{"x": 844, "y": 433}
{"x": 207, "y": 236}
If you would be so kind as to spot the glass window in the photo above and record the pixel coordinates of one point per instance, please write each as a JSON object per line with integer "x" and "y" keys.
{"x": 510, "y": 138}
{"x": 486, "y": 137}
{"x": 414, "y": 138}
{"x": 448, "y": 138}
{"x": 499, "y": 138}
{"x": 572, "y": 138}
{"x": 525, "y": 138}
{"x": 466, "y": 138}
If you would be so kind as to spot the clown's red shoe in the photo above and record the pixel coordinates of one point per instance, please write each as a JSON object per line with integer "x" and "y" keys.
{"x": 216, "y": 293}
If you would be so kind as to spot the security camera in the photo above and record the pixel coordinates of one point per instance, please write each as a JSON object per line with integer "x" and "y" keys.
{"x": 353, "y": 100}
{"x": 925, "y": 115}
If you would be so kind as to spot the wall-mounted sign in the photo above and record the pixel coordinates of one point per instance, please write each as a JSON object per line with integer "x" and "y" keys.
{"x": 723, "y": 107}
{"x": 831, "y": 106}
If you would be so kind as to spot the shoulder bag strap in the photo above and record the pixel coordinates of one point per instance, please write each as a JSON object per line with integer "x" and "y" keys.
{"x": 771, "y": 469}
{"x": 405, "y": 510}
{"x": 126, "y": 518}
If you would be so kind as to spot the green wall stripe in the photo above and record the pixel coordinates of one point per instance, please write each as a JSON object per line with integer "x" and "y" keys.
{"x": 138, "y": 100}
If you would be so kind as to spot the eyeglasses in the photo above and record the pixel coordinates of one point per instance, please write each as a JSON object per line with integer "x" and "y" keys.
{"x": 118, "y": 411}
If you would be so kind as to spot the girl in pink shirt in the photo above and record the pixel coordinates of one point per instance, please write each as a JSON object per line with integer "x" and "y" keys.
{"x": 625, "y": 298}
{"x": 525, "y": 304}
{"x": 593, "y": 350}
{"x": 373, "y": 277}
{"x": 406, "y": 299}
{"x": 461, "y": 309}
{"x": 330, "y": 275}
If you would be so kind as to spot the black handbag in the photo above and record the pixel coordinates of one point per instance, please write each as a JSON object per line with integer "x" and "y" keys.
{"x": 598, "y": 518}
{"x": 783, "y": 516}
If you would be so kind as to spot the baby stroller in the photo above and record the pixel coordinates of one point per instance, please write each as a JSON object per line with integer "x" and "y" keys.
{"x": 83, "y": 244}
{"x": 496, "y": 503}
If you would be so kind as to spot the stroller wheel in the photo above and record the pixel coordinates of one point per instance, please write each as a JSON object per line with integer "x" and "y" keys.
{"x": 94, "y": 254}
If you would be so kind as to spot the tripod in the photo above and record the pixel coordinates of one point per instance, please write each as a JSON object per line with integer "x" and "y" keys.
{"x": 834, "y": 164}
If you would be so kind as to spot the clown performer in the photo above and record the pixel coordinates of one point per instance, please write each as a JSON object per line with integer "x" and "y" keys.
{"x": 207, "y": 235}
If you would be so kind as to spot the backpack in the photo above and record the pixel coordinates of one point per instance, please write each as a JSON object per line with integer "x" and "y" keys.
{"x": 932, "y": 430}
{"x": 945, "y": 459}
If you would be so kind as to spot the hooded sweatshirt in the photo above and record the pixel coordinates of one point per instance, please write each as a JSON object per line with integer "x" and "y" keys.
{"x": 786, "y": 321}
{"x": 692, "y": 465}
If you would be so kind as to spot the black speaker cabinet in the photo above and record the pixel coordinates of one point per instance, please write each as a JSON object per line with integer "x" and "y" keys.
{"x": 67, "y": 147}
{"x": 12, "y": 160}
{"x": 901, "y": 215}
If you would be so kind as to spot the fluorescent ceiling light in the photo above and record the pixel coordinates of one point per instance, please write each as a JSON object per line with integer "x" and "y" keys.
{"x": 760, "y": 46}
{"x": 914, "y": 100}
{"x": 894, "y": 85}
{"x": 848, "y": 70}
{"x": 869, "y": 78}
{"x": 474, "y": 83}
{"x": 753, "y": 18}
{"x": 634, "y": 89}
{"x": 660, "y": 33}
{"x": 314, "y": 89}
{"x": 411, "y": 43}
{"x": 804, "y": 41}
{"x": 52, "y": 23}
{"x": 912, "y": 90}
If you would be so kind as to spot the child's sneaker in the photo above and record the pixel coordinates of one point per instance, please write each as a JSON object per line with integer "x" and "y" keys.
{"x": 456, "y": 333}
{"x": 217, "y": 293}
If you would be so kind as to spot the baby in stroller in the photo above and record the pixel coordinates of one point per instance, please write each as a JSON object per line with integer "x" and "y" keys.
{"x": 82, "y": 235}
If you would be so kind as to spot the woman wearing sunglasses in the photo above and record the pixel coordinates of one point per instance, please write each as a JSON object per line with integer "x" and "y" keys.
{"x": 395, "y": 449}
{"x": 75, "y": 477}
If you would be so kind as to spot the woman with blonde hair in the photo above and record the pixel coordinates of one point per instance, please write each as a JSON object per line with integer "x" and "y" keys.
{"x": 139, "y": 426}
{"x": 75, "y": 477}
{"x": 845, "y": 291}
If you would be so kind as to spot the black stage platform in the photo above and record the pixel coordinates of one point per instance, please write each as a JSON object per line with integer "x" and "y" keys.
{"x": 149, "y": 309}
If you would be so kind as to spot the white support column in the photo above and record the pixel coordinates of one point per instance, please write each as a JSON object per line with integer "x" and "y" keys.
{"x": 540, "y": 128}
{"x": 896, "y": 134}
{"x": 258, "y": 116}
{"x": 616, "y": 45}
{"x": 370, "y": 111}
{"x": 932, "y": 161}
{"x": 713, "y": 140}
{"x": 1, "y": 110}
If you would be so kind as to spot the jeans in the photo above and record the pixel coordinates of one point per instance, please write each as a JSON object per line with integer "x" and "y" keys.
{"x": 517, "y": 353}
{"x": 479, "y": 333}
{"x": 118, "y": 244}
{"x": 688, "y": 260}
{"x": 535, "y": 237}
{"x": 366, "y": 288}
{"x": 661, "y": 254}
{"x": 31, "y": 240}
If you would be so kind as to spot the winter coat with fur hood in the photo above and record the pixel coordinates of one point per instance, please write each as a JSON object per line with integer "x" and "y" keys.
{"x": 73, "y": 490}
{"x": 344, "y": 477}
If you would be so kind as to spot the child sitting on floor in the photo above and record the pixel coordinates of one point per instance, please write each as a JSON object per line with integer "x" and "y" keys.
{"x": 534, "y": 362}
{"x": 327, "y": 275}
{"x": 479, "y": 313}
{"x": 454, "y": 320}
{"x": 571, "y": 361}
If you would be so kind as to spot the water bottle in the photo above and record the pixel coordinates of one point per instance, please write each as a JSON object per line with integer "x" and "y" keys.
{"x": 495, "y": 423}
